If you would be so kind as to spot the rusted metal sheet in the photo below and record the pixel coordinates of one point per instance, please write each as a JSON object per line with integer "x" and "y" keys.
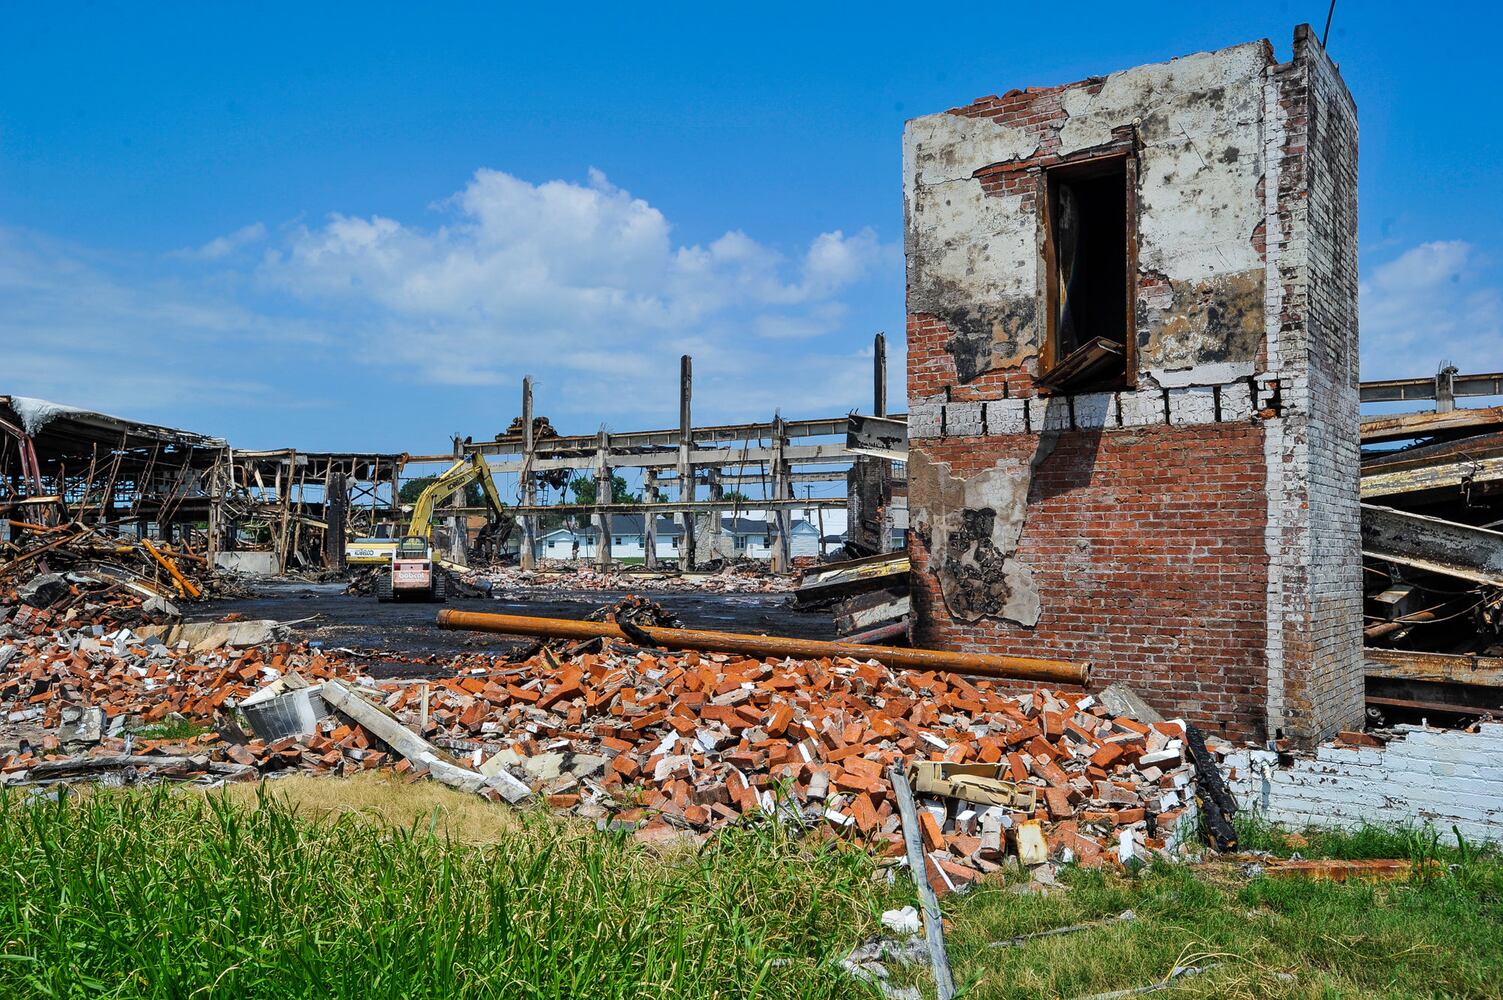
{"x": 973, "y": 664}
{"x": 882, "y": 437}
{"x": 1432, "y": 544}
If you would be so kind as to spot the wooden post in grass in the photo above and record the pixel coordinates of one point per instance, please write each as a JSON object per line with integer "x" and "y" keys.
{"x": 934, "y": 930}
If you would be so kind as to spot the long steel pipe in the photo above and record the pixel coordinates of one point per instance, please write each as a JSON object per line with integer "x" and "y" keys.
{"x": 1024, "y": 668}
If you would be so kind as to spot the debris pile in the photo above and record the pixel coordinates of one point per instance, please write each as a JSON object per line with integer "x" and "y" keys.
{"x": 668, "y": 744}
{"x": 869, "y": 597}
{"x": 82, "y": 576}
{"x": 735, "y": 578}
{"x": 1433, "y": 555}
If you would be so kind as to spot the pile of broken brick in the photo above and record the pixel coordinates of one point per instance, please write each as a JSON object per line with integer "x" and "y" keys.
{"x": 672, "y": 745}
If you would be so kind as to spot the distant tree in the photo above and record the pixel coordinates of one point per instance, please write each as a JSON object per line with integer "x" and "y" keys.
{"x": 413, "y": 488}
{"x": 736, "y": 498}
{"x": 583, "y": 488}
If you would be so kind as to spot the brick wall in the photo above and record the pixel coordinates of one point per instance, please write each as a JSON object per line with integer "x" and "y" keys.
{"x": 1315, "y": 585}
{"x": 1194, "y": 534}
{"x": 1437, "y": 777}
{"x": 1150, "y": 557}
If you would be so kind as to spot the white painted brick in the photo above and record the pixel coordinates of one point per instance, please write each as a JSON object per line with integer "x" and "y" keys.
{"x": 1142, "y": 408}
{"x": 962, "y": 419}
{"x": 1192, "y": 405}
{"x": 1095, "y": 409}
{"x": 923, "y": 420}
{"x": 1236, "y": 401}
{"x": 1442, "y": 778}
{"x": 1052, "y": 414}
{"x": 1007, "y": 416}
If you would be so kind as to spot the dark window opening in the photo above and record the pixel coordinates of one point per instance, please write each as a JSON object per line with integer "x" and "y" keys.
{"x": 1088, "y": 241}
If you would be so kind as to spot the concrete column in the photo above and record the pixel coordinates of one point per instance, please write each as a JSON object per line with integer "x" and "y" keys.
{"x": 603, "y": 496}
{"x": 650, "y": 524}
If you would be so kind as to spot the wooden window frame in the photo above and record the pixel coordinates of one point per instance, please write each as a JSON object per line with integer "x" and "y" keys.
{"x": 1088, "y": 166}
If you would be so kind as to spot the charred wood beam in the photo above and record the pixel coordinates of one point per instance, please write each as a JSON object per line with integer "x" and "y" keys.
{"x": 834, "y": 427}
{"x": 1472, "y": 448}
{"x": 665, "y": 507}
{"x": 1432, "y": 544}
{"x": 1439, "y": 668}
{"x": 1399, "y": 426}
{"x": 881, "y": 437}
{"x": 1483, "y": 474}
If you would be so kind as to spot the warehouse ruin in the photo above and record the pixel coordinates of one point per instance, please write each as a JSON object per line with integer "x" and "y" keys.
{"x": 1133, "y": 440}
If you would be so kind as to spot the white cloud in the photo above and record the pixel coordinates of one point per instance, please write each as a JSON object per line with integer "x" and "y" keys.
{"x": 580, "y": 284}
{"x": 222, "y": 246}
{"x": 1431, "y": 305}
{"x": 579, "y": 277}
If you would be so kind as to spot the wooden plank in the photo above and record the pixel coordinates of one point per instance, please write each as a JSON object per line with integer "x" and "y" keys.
{"x": 1445, "y": 668}
{"x": 1398, "y": 426}
{"x": 1472, "y": 448}
{"x": 186, "y": 584}
{"x": 1450, "y": 476}
{"x": 1094, "y": 359}
{"x": 934, "y": 928}
{"x": 89, "y": 765}
{"x": 1432, "y": 544}
{"x": 1427, "y": 706}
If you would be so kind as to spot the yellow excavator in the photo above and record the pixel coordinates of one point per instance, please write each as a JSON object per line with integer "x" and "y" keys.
{"x": 410, "y": 572}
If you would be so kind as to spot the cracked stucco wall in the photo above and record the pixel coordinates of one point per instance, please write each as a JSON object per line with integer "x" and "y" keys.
{"x": 970, "y": 526}
{"x": 974, "y": 249}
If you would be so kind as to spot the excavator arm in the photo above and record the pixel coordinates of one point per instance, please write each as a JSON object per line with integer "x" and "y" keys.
{"x": 453, "y": 479}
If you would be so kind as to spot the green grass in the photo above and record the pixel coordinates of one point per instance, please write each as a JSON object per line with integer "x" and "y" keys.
{"x": 177, "y": 895}
{"x": 173, "y": 729}
{"x": 1428, "y": 937}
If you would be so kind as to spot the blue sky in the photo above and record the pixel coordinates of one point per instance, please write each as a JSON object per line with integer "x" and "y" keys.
{"x": 358, "y": 226}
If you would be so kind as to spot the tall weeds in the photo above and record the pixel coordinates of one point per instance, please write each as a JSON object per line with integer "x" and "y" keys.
{"x": 174, "y": 896}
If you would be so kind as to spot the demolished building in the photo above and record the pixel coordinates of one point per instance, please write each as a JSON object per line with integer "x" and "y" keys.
{"x": 1133, "y": 383}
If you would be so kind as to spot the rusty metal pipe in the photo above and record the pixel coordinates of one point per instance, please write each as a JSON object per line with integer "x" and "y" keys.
{"x": 1023, "y": 668}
